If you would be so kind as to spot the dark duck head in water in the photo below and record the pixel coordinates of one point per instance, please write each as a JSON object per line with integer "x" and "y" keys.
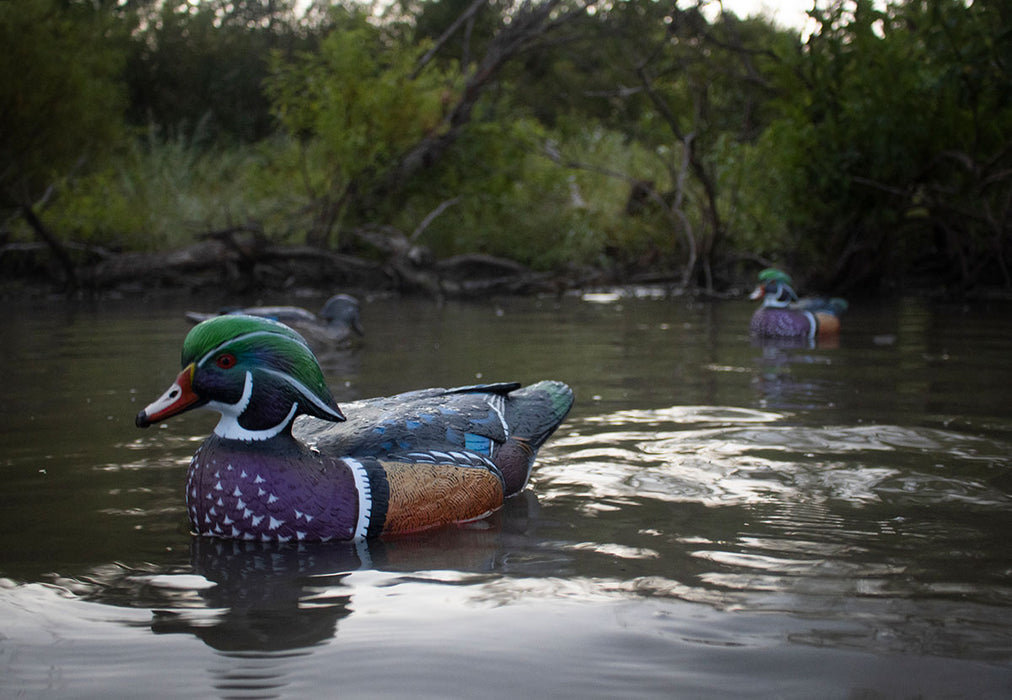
{"x": 337, "y": 325}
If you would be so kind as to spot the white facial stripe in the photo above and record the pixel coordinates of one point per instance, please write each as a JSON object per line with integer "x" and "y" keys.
{"x": 233, "y": 410}
{"x": 247, "y": 393}
{"x": 228, "y": 427}
{"x": 302, "y": 389}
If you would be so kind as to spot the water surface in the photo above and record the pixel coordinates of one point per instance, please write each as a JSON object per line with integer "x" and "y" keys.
{"x": 715, "y": 518}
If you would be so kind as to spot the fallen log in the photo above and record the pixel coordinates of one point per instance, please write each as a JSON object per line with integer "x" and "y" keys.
{"x": 235, "y": 263}
{"x": 238, "y": 260}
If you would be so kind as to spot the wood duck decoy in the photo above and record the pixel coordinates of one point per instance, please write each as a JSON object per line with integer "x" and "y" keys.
{"x": 783, "y": 315}
{"x": 284, "y": 463}
{"x": 336, "y": 324}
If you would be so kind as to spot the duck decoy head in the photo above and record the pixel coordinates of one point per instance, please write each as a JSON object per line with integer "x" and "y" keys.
{"x": 259, "y": 374}
{"x": 774, "y": 288}
{"x": 343, "y": 310}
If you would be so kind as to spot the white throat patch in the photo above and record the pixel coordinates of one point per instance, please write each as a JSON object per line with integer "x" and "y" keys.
{"x": 228, "y": 427}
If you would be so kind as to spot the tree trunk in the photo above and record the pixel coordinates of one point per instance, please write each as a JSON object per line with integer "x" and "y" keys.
{"x": 54, "y": 244}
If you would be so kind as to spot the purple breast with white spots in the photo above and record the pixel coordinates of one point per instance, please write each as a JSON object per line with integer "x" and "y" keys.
{"x": 782, "y": 323}
{"x": 237, "y": 491}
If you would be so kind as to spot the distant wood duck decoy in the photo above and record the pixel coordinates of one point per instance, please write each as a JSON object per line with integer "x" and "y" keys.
{"x": 783, "y": 315}
{"x": 284, "y": 463}
{"x": 334, "y": 326}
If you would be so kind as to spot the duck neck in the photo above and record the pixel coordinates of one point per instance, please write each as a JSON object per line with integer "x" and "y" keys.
{"x": 284, "y": 444}
{"x": 254, "y": 418}
{"x": 230, "y": 427}
{"x": 780, "y": 297}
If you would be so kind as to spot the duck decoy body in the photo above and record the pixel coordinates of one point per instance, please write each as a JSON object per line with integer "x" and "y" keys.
{"x": 285, "y": 463}
{"x": 783, "y": 315}
{"x": 337, "y": 323}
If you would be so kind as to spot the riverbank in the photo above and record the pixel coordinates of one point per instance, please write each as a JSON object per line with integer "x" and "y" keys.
{"x": 240, "y": 264}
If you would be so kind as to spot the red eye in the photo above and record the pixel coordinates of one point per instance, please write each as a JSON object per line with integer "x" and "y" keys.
{"x": 226, "y": 361}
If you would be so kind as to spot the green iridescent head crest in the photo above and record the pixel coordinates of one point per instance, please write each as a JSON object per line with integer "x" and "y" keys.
{"x": 274, "y": 354}
{"x": 772, "y": 274}
{"x": 214, "y": 332}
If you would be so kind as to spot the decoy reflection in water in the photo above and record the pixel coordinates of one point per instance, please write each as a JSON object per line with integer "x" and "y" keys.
{"x": 269, "y": 596}
{"x": 337, "y": 325}
{"x": 783, "y": 315}
{"x": 284, "y": 463}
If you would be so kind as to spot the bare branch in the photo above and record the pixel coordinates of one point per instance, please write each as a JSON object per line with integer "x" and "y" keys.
{"x": 464, "y": 17}
{"x": 431, "y": 216}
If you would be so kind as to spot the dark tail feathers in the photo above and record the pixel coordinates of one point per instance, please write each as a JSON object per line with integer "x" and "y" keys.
{"x": 534, "y": 412}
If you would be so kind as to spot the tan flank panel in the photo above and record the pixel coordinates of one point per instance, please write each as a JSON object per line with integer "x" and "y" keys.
{"x": 428, "y": 495}
{"x": 828, "y": 324}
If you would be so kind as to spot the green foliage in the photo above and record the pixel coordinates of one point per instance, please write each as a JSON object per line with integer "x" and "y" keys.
{"x": 60, "y": 96}
{"x": 761, "y": 179}
{"x": 896, "y": 133}
{"x": 357, "y": 106}
{"x": 876, "y": 150}
{"x": 431, "y": 19}
{"x": 206, "y": 63}
{"x": 159, "y": 194}
{"x": 514, "y": 201}
{"x": 690, "y": 91}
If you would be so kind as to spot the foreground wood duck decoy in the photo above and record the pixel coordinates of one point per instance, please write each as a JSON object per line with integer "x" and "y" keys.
{"x": 336, "y": 324}
{"x": 284, "y": 463}
{"x": 783, "y": 315}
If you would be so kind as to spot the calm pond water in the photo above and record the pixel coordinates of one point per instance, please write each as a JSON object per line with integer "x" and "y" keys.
{"x": 715, "y": 519}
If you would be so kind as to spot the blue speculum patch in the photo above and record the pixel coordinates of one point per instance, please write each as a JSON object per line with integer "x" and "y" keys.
{"x": 477, "y": 443}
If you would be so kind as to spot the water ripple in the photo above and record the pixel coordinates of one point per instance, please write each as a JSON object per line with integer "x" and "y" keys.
{"x": 719, "y": 456}
{"x": 754, "y": 506}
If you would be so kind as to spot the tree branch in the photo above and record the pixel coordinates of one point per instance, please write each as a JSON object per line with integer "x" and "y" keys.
{"x": 50, "y": 239}
{"x": 431, "y": 216}
{"x": 465, "y": 16}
